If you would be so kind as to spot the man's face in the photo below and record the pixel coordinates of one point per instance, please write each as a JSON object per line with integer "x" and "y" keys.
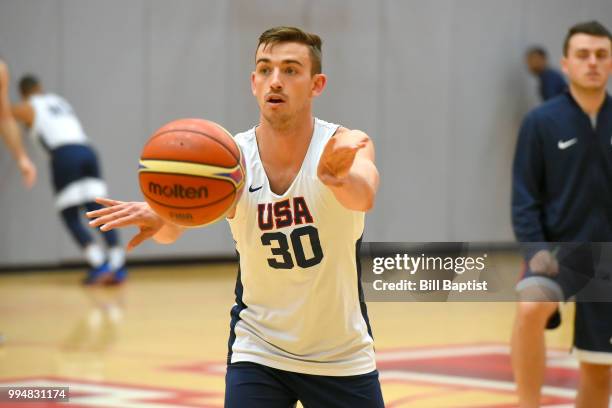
{"x": 588, "y": 62}
{"x": 282, "y": 81}
{"x": 536, "y": 63}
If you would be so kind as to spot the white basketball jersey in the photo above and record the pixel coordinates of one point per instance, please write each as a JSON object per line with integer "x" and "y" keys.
{"x": 298, "y": 291}
{"x": 55, "y": 122}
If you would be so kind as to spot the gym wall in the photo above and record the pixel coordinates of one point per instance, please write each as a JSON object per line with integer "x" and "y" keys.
{"x": 439, "y": 85}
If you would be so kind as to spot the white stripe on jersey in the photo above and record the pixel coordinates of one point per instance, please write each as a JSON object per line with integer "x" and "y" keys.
{"x": 80, "y": 191}
{"x": 299, "y": 272}
{"x": 55, "y": 122}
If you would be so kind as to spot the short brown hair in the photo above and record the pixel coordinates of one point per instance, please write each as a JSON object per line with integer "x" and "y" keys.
{"x": 594, "y": 28}
{"x": 284, "y": 34}
{"x": 28, "y": 83}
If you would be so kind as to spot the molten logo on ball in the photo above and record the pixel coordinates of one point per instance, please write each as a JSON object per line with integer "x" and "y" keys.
{"x": 177, "y": 191}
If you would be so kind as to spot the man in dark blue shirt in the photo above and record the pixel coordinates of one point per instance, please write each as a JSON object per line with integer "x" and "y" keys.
{"x": 551, "y": 81}
{"x": 562, "y": 193}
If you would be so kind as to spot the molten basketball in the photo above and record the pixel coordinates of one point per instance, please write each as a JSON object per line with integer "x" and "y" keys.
{"x": 191, "y": 172}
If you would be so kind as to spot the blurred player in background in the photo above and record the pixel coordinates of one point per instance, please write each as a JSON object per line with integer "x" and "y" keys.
{"x": 9, "y": 131}
{"x": 75, "y": 174}
{"x": 550, "y": 80}
{"x": 299, "y": 328}
{"x": 562, "y": 192}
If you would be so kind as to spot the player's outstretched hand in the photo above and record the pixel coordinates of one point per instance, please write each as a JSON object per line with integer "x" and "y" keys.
{"x": 338, "y": 157}
{"x": 119, "y": 214}
{"x": 28, "y": 171}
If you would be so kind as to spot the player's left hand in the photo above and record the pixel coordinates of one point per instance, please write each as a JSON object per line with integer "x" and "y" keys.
{"x": 120, "y": 214}
{"x": 338, "y": 157}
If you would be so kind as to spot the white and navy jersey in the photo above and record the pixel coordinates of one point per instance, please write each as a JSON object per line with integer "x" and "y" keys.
{"x": 55, "y": 123}
{"x": 74, "y": 165}
{"x": 298, "y": 302}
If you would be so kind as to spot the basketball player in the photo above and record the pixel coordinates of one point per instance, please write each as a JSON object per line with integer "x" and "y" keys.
{"x": 9, "y": 131}
{"x": 75, "y": 173}
{"x": 562, "y": 193}
{"x": 299, "y": 329}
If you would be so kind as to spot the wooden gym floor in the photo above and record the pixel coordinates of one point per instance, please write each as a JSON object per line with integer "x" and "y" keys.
{"x": 161, "y": 341}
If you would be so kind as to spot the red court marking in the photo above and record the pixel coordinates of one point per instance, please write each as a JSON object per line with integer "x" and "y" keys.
{"x": 118, "y": 393}
{"x": 474, "y": 362}
{"x": 486, "y": 366}
{"x": 438, "y": 366}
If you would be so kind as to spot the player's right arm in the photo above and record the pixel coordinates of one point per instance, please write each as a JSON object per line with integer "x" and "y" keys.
{"x": 121, "y": 214}
{"x": 9, "y": 131}
{"x": 528, "y": 195}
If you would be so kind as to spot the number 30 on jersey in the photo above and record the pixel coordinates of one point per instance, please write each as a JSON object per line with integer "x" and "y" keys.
{"x": 289, "y": 250}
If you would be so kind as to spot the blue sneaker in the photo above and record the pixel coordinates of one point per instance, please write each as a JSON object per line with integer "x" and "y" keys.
{"x": 97, "y": 275}
{"x": 119, "y": 276}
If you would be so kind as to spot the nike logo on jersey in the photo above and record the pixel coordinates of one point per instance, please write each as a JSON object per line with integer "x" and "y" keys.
{"x": 252, "y": 190}
{"x": 564, "y": 144}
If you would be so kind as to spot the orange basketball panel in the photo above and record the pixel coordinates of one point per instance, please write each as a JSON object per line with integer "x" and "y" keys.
{"x": 190, "y": 147}
{"x": 202, "y": 127}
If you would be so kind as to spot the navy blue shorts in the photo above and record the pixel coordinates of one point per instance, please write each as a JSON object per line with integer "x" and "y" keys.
{"x": 70, "y": 163}
{"x": 593, "y": 332}
{"x": 584, "y": 275}
{"x": 256, "y": 386}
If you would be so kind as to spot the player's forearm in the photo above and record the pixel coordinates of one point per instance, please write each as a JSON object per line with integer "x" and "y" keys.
{"x": 358, "y": 190}
{"x": 168, "y": 234}
{"x": 12, "y": 138}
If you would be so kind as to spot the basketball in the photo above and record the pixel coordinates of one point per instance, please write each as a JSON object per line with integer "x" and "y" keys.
{"x": 191, "y": 172}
